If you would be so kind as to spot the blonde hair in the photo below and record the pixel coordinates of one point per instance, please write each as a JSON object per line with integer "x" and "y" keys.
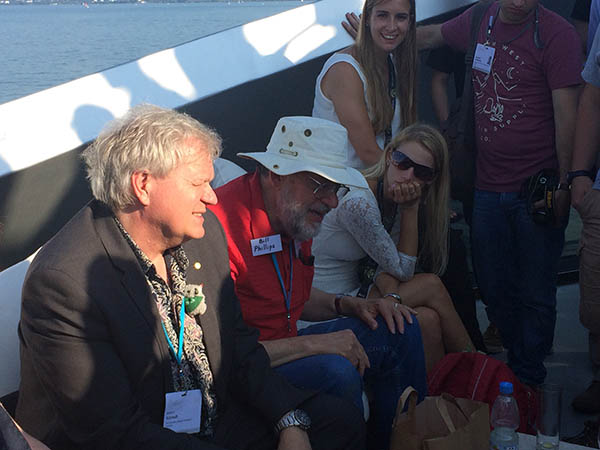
{"x": 433, "y": 253}
{"x": 405, "y": 61}
{"x": 147, "y": 137}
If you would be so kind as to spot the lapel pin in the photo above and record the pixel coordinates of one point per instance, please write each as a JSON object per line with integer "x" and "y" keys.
{"x": 194, "y": 300}
{"x": 197, "y": 265}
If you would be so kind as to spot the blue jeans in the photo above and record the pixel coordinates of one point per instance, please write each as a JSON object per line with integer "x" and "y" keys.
{"x": 516, "y": 263}
{"x": 397, "y": 361}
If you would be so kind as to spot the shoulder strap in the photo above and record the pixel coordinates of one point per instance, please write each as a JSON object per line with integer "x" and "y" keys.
{"x": 478, "y": 12}
{"x": 467, "y": 96}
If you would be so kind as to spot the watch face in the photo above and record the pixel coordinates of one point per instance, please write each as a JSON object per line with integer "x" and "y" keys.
{"x": 302, "y": 418}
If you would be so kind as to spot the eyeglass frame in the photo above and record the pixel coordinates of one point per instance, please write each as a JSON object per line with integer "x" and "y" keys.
{"x": 320, "y": 191}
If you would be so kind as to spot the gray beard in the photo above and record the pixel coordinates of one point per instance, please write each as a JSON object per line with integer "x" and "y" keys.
{"x": 294, "y": 222}
{"x": 293, "y": 218}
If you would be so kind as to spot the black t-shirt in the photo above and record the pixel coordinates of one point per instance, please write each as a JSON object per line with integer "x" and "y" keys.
{"x": 447, "y": 60}
{"x": 581, "y": 10}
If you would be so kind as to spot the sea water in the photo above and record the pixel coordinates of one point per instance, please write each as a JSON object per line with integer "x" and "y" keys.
{"x": 45, "y": 45}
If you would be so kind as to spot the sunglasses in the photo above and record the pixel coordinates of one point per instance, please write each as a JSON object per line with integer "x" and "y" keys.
{"x": 327, "y": 188}
{"x": 403, "y": 162}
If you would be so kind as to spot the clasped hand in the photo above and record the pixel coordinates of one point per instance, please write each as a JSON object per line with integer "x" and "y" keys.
{"x": 406, "y": 195}
{"x": 562, "y": 203}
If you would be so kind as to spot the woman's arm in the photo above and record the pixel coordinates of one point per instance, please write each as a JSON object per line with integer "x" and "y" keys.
{"x": 343, "y": 86}
{"x": 408, "y": 242}
{"x": 360, "y": 216}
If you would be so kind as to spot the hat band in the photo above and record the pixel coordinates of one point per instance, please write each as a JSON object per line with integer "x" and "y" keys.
{"x": 322, "y": 161}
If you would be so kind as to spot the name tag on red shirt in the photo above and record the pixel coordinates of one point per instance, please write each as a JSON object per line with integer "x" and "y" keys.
{"x": 266, "y": 245}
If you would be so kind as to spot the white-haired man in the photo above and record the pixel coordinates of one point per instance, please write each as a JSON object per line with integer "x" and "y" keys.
{"x": 270, "y": 217}
{"x": 122, "y": 346}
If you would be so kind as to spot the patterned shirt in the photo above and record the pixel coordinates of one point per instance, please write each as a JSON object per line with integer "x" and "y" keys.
{"x": 513, "y": 103}
{"x": 194, "y": 371}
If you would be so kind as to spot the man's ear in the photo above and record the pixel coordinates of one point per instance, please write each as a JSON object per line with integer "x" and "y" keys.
{"x": 140, "y": 184}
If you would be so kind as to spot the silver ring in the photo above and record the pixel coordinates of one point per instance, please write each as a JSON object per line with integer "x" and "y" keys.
{"x": 395, "y": 305}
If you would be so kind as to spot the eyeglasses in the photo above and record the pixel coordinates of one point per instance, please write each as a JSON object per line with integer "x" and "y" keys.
{"x": 403, "y": 162}
{"x": 327, "y": 188}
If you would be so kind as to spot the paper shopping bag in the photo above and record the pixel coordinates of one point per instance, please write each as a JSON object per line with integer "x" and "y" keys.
{"x": 440, "y": 423}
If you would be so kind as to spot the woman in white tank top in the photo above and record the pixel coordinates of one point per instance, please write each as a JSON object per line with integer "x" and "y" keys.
{"x": 369, "y": 87}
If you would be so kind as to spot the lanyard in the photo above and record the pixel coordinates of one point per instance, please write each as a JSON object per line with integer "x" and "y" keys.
{"x": 287, "y": 295}
{"x": 492, "y": 22}
{"x": 177, "y": 355}
{"x": 392, "y": 93}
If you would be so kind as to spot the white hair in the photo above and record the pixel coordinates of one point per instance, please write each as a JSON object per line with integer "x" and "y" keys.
{"x": 149, "y": 138}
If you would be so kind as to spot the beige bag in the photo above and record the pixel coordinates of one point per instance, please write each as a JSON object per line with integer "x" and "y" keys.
{"x": 440, "y": 423}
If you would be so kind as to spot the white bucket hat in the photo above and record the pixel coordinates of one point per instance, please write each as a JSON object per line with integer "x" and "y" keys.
{"x": 308, "y": 144}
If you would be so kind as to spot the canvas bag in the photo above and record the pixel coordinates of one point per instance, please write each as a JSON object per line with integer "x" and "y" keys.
{"x": 477, "y": 377}
{"x": 459, "y": 128}
{"x": 440, "y": 423}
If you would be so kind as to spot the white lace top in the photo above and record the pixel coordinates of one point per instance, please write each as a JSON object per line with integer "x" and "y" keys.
{"x": 350, "y": 232}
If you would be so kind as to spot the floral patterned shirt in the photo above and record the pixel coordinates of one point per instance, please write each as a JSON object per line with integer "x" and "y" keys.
{"x": 194, "y": 371}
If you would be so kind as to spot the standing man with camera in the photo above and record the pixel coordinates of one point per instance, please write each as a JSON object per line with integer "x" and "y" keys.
{"x": 525, "y": 78}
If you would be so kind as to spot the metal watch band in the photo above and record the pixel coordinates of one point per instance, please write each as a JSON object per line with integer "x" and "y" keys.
{"x": 394, "y": 296}
{"x": 295, "y": 418}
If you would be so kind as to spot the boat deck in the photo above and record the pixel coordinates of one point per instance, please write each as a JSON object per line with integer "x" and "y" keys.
{"x": 569, "y": 365}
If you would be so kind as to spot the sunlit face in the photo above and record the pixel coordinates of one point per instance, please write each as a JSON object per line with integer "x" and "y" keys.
{"x": 301, "y": 213}
{"x": 417, "y": 154}
{"x": 178, "y": 200}
{"x": 516, "y": 11}
{"x": 388, "y": 23}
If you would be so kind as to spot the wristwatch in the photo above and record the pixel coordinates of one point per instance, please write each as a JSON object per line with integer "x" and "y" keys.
{"x": 294, "y": 418}
{"x": 578, "y": 173}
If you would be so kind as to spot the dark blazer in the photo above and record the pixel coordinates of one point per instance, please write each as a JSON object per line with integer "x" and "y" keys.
{"x": 10, "y": 437}
{"x": 95, "y": 364}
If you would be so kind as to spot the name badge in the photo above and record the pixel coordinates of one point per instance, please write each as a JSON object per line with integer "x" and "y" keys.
{"x": 266, "y": 245}
{"x": 183, "y": 411}
{"x": 484, "y": 57}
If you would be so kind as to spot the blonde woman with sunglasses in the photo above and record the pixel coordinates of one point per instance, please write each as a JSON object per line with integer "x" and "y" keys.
{"x": 374, "y": 234}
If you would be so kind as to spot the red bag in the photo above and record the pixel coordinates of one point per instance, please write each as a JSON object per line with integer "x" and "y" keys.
{"x": 477, "y": 377}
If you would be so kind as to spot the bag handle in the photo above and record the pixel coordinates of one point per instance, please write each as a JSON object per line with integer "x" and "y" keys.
{"x": 410, "y": 394}
{"x": 442, "y": 406}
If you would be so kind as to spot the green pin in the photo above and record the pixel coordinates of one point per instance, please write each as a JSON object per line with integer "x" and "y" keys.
{"x": 194, "y": 300}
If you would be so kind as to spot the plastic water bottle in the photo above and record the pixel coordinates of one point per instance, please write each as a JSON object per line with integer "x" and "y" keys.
{"x": 505, "y": 420}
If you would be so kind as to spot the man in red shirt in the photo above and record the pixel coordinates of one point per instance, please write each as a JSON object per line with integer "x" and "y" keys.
{"x": 270, "y": 217}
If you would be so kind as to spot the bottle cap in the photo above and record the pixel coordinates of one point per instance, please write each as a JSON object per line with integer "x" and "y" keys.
{"x": 506, "y": 388}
